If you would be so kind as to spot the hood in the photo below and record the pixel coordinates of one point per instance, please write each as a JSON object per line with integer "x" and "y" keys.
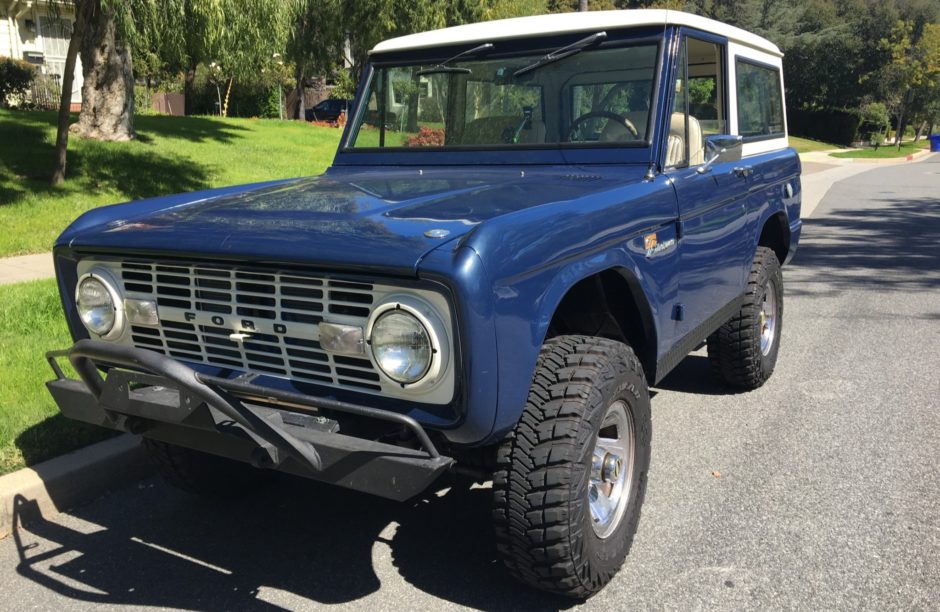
{"x": 345, "y": 219}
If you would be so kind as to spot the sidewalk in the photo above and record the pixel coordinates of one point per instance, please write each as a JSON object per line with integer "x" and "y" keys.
{"x": 824, "y": 157}
{"x": 26, "y": 268}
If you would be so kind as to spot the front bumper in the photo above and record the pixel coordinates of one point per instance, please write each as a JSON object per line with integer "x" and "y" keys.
{"x": 148, "y": 393}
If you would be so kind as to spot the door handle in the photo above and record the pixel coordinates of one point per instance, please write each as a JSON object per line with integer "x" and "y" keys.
{"x": 744, "y": 171}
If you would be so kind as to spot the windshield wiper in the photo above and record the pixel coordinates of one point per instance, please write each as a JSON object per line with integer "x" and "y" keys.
{"x": 444, "y": 68}
{"x": 559, "y": 54}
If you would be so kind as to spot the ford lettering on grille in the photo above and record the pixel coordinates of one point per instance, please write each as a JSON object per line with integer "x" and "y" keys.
{"x": 251, "y": 320}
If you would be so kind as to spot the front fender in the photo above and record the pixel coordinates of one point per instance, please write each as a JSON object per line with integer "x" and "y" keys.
{"x": 522, "y": 324}
{"x": 461, "y": 270}
{"x": 536, "y": 256}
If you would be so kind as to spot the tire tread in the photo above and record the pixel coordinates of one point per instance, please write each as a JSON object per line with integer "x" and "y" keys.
{"x": 532, "y": 481}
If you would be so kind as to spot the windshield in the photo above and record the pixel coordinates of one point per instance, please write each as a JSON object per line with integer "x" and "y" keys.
{"x": 595, "y": 97}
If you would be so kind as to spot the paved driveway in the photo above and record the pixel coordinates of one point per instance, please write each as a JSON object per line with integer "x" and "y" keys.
{"x": 819, "y": 491}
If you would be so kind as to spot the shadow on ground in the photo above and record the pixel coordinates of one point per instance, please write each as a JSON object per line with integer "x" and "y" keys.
{"x": 130, "y": 170}
{"x": 694, "y": 375}
{"x": 22, "y": 148}
{"x": 157, "y": 547}
{"x": 56, "y": 435}
{"x": 891, "y": 246}
{"x": 193, "y": 129}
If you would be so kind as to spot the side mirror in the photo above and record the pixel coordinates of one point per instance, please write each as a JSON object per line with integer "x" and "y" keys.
{"x": 721, "y": 147}
{"x": 727, "y": 145}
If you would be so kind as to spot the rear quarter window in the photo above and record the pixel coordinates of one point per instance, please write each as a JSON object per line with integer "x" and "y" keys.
{"x": 760, "y": 101}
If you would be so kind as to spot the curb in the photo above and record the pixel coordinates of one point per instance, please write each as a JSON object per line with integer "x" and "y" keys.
{"x": 883, "y": 161}
{"x": 71, "y": 480}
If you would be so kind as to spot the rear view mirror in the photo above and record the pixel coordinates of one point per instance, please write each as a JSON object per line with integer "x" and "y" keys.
{"x": 726, "y": 146}
{"x": 720, "y": 148}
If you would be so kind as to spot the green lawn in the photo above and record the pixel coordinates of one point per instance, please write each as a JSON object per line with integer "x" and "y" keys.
{"x": 171, "y": 155}
{"x": 31, "y": 430}
{"x": 807, "y": 145}
{"x": 884, "y": 151}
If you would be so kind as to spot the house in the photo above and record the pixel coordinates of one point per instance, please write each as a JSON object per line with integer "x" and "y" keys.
{"x": 30, "y": 30}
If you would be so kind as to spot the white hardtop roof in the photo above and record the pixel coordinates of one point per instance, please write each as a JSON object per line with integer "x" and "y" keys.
{"x": 560, "y": 23}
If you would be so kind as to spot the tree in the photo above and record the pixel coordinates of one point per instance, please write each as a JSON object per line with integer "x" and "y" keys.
{"x": 108, "y": 87}
{"x": 315, "y": 38}
{"x": 914, "y": 67}
{"x": 62, "y": 128}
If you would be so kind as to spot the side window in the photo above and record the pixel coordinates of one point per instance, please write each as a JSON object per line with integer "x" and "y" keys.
{"x": 699, "y": 103}
{"x": 760, "y": 101}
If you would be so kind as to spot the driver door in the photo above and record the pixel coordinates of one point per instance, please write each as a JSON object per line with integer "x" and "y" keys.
{"x": 713, "y": 239}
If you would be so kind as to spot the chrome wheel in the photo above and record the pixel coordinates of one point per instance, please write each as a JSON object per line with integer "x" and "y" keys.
{"x": 611, "y": 470}
{"x": 768, "y": 318}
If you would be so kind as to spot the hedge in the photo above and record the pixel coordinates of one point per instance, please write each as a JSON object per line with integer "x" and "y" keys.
{"x": 15, "y": 78}
{"x": 835, "y": 126}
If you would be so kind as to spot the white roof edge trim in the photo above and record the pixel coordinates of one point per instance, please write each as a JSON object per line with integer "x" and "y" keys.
{"x": 559, "y": 23}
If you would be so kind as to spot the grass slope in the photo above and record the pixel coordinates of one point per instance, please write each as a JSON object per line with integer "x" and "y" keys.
{"x": 170, "y": 155}
{"x": 808, "y": 145}
{"x": 885, "y": 151}
{"x": 31, "y": 429}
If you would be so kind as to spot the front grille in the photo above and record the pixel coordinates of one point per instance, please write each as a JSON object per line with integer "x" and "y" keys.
{"x": 201, "y": 306}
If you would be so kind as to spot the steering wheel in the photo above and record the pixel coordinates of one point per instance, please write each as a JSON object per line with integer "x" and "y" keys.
{"x": 618, "y": 119}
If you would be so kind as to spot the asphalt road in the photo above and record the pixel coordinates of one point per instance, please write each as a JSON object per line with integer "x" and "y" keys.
{"x": 821, "y": 490}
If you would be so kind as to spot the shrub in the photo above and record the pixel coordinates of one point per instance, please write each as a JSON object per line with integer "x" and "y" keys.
{"x": 426, "y": 137}
{"x": 875, "y": 121}
{"x": 143, "y": 101}
{"x": 15, "y": 78}
{"x": 344, "y": 86}
{"x": 271, "y": 108}
{"x": 429, "y": 111}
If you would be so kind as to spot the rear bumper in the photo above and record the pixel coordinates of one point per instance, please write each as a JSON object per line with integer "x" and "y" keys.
{"x": 150, "y": 394}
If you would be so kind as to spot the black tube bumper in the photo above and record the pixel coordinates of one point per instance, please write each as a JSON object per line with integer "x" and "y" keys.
{"x": 151, "y": 394}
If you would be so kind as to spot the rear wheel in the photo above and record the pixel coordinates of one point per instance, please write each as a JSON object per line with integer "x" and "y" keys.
{"x": 570, "y": 480}
{"x": 204, "y": 474}
{"x": 743, "y": 351}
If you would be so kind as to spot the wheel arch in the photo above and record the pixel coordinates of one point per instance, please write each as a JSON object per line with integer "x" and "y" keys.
{"x": 609, "y": 303}
{"x": 775, "y": 235}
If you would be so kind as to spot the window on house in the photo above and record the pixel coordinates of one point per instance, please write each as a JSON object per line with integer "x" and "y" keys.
{"x": 760, "y": 101}
{"x": 55, "y": 36}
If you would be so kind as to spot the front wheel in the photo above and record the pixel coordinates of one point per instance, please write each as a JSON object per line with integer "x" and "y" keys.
{"x": 571, "y": 478}
{"x": 743, "y": 351}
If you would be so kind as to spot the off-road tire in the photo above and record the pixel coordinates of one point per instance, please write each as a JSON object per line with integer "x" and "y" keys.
{"x": 734, "y": 350}
{"x": 203, "y": 474}
{"x": 541, "y": 514}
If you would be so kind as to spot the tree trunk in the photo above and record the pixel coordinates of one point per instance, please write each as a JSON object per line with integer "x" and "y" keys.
{"x": 228, "y": 96}
{"x": 189, "y": 89}
{"x": 299, "y": 110}
{"x": 108, "y": 90}
{"x": 413, "y": 94}
{"x": 583, "y": 5}
{"x": 65, "y": 100}
{"x": 899, "y": 134}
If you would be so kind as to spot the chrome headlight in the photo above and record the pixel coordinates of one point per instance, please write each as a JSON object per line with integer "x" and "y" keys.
{"x": 401, "y": 346}
{"x": 408, "y": 342}
{"x": 97, "y": 303}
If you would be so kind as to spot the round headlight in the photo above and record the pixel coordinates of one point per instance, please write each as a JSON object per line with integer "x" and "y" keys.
{"x": 401, "y": 346}
{"x": 96, "y": 305}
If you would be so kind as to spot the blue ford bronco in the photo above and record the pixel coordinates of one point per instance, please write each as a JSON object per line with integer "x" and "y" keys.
{"x": 527, "y": 223}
